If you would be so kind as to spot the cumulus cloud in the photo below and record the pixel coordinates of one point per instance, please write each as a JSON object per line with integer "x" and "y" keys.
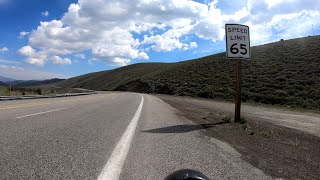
{"x": 120, "y": 61}
{"x": 36, "y": 61}
{"x": 27, "y": 51}
{"x": 23, "y": 34}
{"x": 111, "y": 35}
{"x": 162, "y": 43}
{"x": 193, "y": 45}
{"x": 40, "y": 57}
{"x": 269, "y": 18}
{"x": 4, "y": 49}
{"x": 33, "y": 56}
{"x": 59, "y": 60}
{"x": 46, "y": 13}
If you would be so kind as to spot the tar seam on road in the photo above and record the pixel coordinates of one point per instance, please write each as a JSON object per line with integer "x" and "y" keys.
{"x": 41, "y": 113}
{"x": 112, "y": 169}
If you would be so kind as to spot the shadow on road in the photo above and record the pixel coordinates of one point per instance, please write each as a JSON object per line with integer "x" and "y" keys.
{"x": 182, "y": 128}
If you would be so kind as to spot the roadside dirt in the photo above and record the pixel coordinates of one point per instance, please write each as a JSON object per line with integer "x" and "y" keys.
{"x": 265, "y": 140}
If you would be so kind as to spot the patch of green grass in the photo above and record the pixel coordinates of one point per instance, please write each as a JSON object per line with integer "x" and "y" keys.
{"x": 227, "y": 119}
{"x": 4, "y": 91}
{"x": 242, "y": 120}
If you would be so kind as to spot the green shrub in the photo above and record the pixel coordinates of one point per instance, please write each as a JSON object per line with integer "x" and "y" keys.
{"x": 242, "y": 120}
{"x": 282, "y": 73}
{"x": 39, "y": 91}
{"x": 227, "y": 119}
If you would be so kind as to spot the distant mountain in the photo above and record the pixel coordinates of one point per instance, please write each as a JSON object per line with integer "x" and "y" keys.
{"x": 286, "y": 72}
{"x": 22, "y": 83}
{"x": 3, "y": 84}
{"x": 5, "y": 79}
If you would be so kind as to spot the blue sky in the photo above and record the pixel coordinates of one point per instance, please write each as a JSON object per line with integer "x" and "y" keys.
{"x": 42, "y": 39}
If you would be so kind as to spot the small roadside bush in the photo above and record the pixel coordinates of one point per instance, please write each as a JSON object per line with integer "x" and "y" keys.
{"x": 39, "y": 91}
{"x": 227, "y": 119}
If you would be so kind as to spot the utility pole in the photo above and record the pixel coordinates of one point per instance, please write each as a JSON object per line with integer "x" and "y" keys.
{"x": 10, "y": 90}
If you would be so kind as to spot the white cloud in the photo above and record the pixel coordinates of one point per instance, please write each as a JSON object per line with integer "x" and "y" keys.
{"x": 82, "y": 56}
{"x": 271, "y": 20}
{"x": 38, "y": 58}
{"x": 36, "y": 61}
{"x": 23, "y": 34}
{"x": 272, "y": 2}
{"x": 46, "y": 13}
{"x": 20, "y": 73}
{"x": 27, "y": 51}
{"x": 193, "y": 45}
{"x": 170, "y": 40}
{"x": 110, "y": 35}
{"x": 4, "y": 49}
{"x": 121, "y": 61}
{"x": 33, "y": 56}
{"x": 59, "y": 60}
{"x": 211, "y": 26}
{"x": 162, "y": 43}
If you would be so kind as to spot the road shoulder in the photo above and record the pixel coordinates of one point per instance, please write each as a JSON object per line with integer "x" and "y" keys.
{"x": 279, "y": 151}
{"x": 165, "y": 142}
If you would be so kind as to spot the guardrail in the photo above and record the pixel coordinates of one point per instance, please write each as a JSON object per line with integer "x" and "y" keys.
{"x": 8, "y": 98}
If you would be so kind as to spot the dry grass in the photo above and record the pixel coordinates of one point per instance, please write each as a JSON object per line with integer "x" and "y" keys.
{"x": 284, "y": 73}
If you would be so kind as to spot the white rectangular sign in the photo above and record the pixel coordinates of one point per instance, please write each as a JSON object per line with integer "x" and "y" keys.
{"x": 238, "y": 41}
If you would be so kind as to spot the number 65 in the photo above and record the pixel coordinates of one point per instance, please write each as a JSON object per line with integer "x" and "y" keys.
{"x": 235, "y": 50}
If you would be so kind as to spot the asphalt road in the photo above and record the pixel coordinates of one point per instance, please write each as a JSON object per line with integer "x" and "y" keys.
{"x": 109, "y": 136}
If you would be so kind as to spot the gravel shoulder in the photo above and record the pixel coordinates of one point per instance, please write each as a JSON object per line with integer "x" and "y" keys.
{"x": 282, "y": 143}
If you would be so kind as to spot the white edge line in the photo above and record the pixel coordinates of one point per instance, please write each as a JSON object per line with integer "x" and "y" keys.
{"x": 40, "y": 113}
{"x": 112, "y": 169}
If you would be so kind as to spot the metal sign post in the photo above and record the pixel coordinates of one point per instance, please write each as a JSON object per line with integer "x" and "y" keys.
{"x": 238, "y": 47}
{"x": 238, "y": 92}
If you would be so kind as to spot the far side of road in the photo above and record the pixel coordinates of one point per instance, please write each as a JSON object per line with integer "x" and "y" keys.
{"x": 25, "y": 97}
{"x": 265, "y": 138}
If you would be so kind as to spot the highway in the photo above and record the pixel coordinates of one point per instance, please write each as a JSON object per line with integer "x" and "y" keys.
{"x": 109, "y": 136}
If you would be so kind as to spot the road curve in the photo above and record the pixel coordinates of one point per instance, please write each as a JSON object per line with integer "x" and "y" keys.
{"x": 75, "y": 138}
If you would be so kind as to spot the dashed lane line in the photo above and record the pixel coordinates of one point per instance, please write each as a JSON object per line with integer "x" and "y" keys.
{"x": 41, "y": 113}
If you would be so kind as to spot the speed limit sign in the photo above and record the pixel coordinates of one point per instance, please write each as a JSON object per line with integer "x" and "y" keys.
{"x": 238, "y": 41}
{"x": 238, "y": 47}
